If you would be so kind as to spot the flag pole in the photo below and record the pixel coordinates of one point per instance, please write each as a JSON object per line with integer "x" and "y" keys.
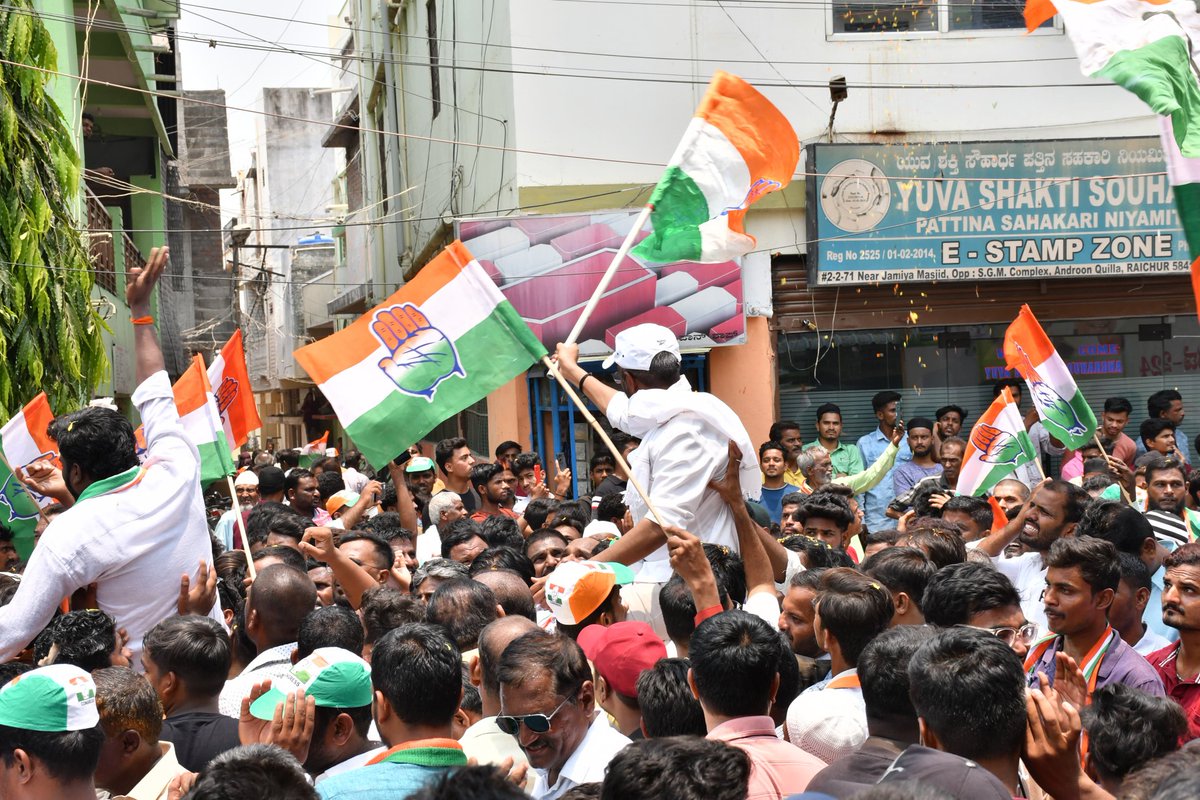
{"x": 591, "y": 419}
{"x": 623, "y": 251}
{"x": 1096, "y": 439}
{"x": 241, "y": 525}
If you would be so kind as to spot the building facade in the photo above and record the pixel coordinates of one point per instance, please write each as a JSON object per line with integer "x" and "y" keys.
{"x": 541, "y": 107}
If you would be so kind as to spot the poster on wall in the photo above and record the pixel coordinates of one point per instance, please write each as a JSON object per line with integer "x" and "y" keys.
{"x": 549, "y": 266}
{"x": 1070, "y": 208}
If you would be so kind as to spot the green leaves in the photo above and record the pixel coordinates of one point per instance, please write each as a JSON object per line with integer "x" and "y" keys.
{"x": 50, "y": 332}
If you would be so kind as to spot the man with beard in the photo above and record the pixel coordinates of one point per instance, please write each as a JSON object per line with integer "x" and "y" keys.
{"x": 1081, "y": 580}
{"x": 922, "y": 465}
{"x": 787, "y": 433}
{"x": 494, "y": 485}
{"x": 1166, "y": 489}
{"x": 875, "y": 444}
{"x": 1051, "y": 513}
{"x": 1178, "y": 665}
{"x": 845, "y": 458}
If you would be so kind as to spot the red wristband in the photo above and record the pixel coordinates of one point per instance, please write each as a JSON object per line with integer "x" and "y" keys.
{"x": 142, "y": 320}
{"x": 711, "y": 611}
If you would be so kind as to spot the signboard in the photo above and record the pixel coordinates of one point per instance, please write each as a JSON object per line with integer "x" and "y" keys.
{"x": 549, "y": 266}
{"x": 1071, "y": 208}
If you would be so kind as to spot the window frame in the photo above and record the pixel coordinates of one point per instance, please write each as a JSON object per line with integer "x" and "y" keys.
{"x": 943, "y": 30}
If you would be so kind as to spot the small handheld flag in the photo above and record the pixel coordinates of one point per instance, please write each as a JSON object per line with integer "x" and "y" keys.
{"x": 201, "y": 421}
{"x": 235, "y": 398}
{"x": 1059, "y": 403}
{"x": 998, "y": 444}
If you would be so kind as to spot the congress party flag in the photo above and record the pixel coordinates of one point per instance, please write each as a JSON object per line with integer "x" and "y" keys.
{"x": 1058, "y": 401}
{"x": 314, "y": 451}
{"x": 197, "y": 407}
{"x": 443, "y": 341}
{"x": 737, "y": 148}
{"x": 998, "y": 444}
{"x": 23, "y": 439}
{"x": 235, "y": 399}
{"x": 18, "y": 511}
{"x": 1149, "y": 48}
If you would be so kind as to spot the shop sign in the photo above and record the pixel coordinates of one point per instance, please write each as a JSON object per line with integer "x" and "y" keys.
{"x": 1073, "y": 208}
{"x": 548, "y": 266}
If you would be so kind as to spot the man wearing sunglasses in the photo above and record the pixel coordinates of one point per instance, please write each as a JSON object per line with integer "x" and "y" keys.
{"x": 547, "y": 701}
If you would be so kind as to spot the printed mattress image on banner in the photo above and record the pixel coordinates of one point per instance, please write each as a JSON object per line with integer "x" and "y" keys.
{"x": 549, "y": 266}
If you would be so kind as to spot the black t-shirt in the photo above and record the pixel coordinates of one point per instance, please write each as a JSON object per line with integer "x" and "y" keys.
{"x": 610, "y": 485}
{"x": 199, "y": 736}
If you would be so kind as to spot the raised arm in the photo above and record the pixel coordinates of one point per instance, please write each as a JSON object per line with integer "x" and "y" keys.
{"x": 139, "y": 287}
{"x": 568, "y": 366}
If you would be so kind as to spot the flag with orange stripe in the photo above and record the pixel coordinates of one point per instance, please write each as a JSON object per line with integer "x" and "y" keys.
{"x": 1059, "y": 403}
{"x": 442, "y": 342}
{"x": 24, "y": 440}
{"x": 235, "y": 397}
{"x": 737, "y": 148}
{"x": 201, "y": 421}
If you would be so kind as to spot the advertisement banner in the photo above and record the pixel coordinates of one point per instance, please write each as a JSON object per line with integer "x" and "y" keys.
{"x": 548, "y": 266}
{"x": 1071, "y": 208}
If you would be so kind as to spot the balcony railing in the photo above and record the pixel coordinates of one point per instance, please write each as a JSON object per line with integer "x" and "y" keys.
{"x": 133, "y": 256}
{"x": 100, "y": 247}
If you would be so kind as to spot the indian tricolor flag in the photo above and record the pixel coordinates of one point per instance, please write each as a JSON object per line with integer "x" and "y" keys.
{"x": 1059, "y": 403}
{"x": 23, "y": 439}
{"x": 235, "y": 399}
{"x": 445, "y": 340}
{"x": 1149, "y": 47}
{"x": 201, "y": 421}
{"x": 737, "y": 148}
{"x": 314, "y": 451}
{"x": 998, "y": 444}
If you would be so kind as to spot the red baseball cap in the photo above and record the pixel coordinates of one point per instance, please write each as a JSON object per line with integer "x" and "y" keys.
{"x": 621, "y": 651}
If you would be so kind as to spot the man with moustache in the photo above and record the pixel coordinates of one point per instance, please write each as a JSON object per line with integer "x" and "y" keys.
{"x": 1051, "y": 513}
{"x": 1166, "y": 491}
{"x": 494, "y": 485}
{"x": 1178, "y": 664}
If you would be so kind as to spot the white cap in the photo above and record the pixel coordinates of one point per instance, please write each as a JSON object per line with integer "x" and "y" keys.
{"x": 636, "y": 347}
{"x": 246, "y": 478}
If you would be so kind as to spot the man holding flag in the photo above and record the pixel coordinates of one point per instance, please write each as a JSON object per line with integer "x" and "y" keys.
{"x": 131, "y": 529}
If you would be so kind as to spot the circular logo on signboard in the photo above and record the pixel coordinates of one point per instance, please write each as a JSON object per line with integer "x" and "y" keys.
{"x": 855, "y": 195}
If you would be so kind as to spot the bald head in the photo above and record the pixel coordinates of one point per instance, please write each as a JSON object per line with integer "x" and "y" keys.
{"x": 492, "y": 642}
{"x": 277, "y": 602}
{"x": 512, "y": 593}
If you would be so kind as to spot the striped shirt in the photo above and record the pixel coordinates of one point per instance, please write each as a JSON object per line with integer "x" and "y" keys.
{"x": 1170, "y": 529}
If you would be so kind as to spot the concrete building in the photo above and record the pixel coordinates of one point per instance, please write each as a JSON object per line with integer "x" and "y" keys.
{"x": 544, "y": 107}
{"x": 198, "y": 298}
{"x": 280, "y": 248}
{"x": 129, "y": 47}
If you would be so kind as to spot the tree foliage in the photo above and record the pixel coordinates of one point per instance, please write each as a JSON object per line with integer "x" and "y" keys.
{"x": 50, "y": 333}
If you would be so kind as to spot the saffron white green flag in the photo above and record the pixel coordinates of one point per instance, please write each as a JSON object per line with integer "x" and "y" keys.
{"x": 201, "y": 422}
{"x": 1062, "y": 408}
{"x": 998, "y": 444}
{"x": 737, "y": 148}
{"x": 443, "y": 341}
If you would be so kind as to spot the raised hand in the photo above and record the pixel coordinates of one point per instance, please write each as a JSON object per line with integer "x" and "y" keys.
{"x": 226, "y": 393}
{"x": 200, "y": 598}
{"x": 44, "y": 478}
{"x": 730, "y": 486}
{"x": 140, "y": 282}
{"x": 421, "y": 355}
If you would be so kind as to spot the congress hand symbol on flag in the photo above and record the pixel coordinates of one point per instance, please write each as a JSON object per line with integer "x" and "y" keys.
{"x": 421, "y": 355}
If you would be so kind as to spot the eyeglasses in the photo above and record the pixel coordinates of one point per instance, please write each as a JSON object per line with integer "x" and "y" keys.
{"x": 1024, "y": 634}
{"x": 537, "y": 723}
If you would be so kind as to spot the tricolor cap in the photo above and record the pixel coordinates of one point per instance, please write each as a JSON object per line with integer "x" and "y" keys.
{"x": 53, "y": 699}
{"x": 419, "y": 464}
{"x": 332, "y": 676}
{"x": 343, "y": 498}
{"x": 636, "y": 347}
{"x": 577, "y": 588}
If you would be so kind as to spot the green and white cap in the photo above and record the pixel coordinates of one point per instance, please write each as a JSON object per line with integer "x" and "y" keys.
{"x": 333, "y": 676}
{"x": 53, "y": 699}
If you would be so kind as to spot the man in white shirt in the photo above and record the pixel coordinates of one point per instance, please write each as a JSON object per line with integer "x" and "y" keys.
{"x": 131, "y": 529}
{"x": 685, "y": 444}
{"x": 355, "y": 481}
{"x": 548, "y": 702}
{"x": 1051, "y": 512}
{"x": 444, "y": 508}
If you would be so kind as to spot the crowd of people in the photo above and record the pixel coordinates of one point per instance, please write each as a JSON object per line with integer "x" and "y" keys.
{"x": 708, "y": 618}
